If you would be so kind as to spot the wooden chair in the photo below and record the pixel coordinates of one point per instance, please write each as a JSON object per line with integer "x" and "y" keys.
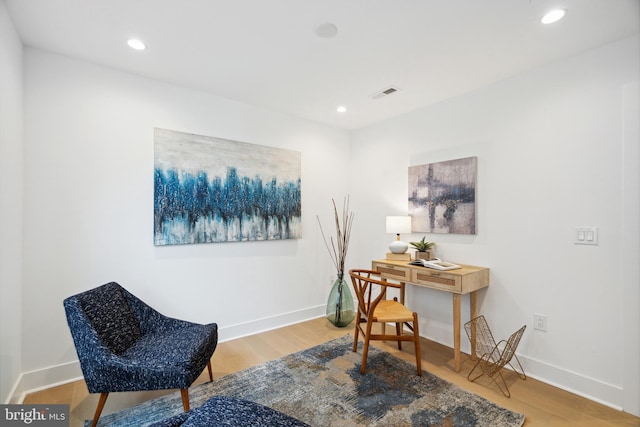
{"x": 373, "y": 307}
{"x": 493, "y": 357}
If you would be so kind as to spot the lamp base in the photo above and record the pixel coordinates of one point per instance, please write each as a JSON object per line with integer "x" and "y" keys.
{"x": 398, "y": 247}
{"x": 399, "y": 257}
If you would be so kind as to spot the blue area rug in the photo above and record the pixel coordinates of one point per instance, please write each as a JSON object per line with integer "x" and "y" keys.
{"x": 322, "y": 386}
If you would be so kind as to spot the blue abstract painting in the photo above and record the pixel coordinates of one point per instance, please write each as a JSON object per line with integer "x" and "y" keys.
{"x": 442, "y": 196}
{"x": 210, "y": 190}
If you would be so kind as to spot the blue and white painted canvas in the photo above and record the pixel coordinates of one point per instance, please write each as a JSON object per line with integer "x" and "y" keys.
{"x": 210, "y": 190}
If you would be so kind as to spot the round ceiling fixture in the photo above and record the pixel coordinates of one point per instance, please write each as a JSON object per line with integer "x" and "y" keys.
{"x": 325, "y": 30}
{"x": 341, "y": 109}
{"x": 136, "y": 44}
{"x": 553, "y": 16}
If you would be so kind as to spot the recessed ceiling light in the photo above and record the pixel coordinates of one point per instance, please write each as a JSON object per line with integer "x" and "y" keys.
{"x": 341, "y": 109}
{"x": 325, "y": 30}
{"x": 136, "y": 44}
{"x": 553, "y": 16}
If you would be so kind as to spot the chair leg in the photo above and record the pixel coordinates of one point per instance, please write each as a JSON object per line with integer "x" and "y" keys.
{"x": 185, "y": 398}
{"x": 416, "y": 338}
{"x": 355, "y": 333}
{"x": 210, "y": 372}
{"x": 365, "y": 350}
{"x": 399, "y": 333}
{"x": 101, "y": 402}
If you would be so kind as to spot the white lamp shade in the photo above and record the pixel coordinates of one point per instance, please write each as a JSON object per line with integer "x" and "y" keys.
{"x": 398, "y": 224}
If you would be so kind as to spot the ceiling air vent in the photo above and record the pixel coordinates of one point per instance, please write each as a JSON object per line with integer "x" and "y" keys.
{"x": 385, "y": 92}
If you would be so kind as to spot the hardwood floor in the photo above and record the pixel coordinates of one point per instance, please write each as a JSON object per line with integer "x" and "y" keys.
{"x": 543, "y": 405}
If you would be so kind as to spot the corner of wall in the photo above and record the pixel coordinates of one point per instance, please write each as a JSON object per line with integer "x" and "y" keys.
{"x": 11, "y": 212}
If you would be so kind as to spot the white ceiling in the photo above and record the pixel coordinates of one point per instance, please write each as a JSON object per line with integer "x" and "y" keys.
{"x": 265, "y": 53}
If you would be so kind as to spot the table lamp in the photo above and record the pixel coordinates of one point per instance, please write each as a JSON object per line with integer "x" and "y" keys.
{"x": 397, "y": 225}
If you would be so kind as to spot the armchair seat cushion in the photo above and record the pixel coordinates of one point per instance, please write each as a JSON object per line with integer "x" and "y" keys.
{"x": 182, "y": 348}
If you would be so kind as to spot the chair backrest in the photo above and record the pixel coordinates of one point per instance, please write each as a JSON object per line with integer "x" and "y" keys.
{"x": 364, "y": 284}
{"x": 107, "y": 311}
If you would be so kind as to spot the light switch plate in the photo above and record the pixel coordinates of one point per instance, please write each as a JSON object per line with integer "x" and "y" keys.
{"x": 586, "y": 235}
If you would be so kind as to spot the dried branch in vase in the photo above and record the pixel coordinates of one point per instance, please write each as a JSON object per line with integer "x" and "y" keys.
{"x": 339, "y": 246}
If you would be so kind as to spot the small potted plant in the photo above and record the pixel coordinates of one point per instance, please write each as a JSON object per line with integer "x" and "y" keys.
{"x": 423, "y": 249}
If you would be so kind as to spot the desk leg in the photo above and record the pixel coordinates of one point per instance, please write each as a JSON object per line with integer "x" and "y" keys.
{"x": 456, "y": 330}
{"x": 473, "y": 307}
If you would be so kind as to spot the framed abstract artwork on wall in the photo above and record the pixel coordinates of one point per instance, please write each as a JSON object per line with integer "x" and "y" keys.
{"x": 442, "y": 196}
{"x": 210, "y": 190}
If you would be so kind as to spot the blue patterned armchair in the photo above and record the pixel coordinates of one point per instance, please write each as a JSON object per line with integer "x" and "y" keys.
{"x": 125, "y": 345}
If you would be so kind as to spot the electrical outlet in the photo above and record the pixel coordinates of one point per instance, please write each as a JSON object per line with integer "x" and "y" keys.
{"x": 540, "y": 322}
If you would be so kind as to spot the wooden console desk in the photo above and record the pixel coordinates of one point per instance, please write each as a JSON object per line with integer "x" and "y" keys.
{"x": 465, "y": 280}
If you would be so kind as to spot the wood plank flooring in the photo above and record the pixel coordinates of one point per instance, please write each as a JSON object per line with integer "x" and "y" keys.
{"x": 543, "y": 405}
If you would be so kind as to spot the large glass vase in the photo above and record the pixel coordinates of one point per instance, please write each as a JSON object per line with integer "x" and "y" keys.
{"x": 340, "y": 308}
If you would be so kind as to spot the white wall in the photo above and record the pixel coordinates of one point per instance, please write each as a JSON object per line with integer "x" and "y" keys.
{"x": 89, "y": 209}
{"x": 551, "y": 156}
{"x": 630, "y": 228}
{"x": 11, "y": 147}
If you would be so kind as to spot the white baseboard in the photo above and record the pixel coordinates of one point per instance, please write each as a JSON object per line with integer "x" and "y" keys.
{"x": 227, "y": 333}
{"x": 40, "y": 379}
{"x": 573, "y": 382}
{"x": 590, "y": 388}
